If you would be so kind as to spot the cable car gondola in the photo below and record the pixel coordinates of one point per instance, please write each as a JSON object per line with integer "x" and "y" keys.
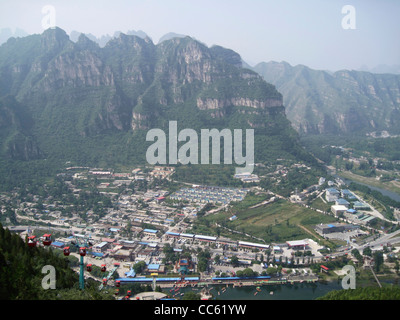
{"x": 82, "y": 251}
{"x": 104, "y": 281}
{"x": 47, "y": 239}
{"x": 117, "y": 283}
{"x": 66, "y": 251}
{"x": 32, "y": 241}
{"x": 89, "y": 268}
{"x": 103, "y": 268}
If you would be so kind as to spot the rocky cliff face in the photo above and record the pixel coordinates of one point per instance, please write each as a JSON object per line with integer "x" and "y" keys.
{"x": 210, "y": 103}
{"x": 78, "y": 93}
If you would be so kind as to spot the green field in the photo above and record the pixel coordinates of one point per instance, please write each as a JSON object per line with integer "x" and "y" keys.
{"x": 275, "y": 222}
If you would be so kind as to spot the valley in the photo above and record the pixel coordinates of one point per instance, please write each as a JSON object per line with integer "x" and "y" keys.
{"x": 84, "y": 154}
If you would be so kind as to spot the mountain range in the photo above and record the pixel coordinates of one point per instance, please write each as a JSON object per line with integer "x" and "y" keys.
{"x": 343, "y": 102}
{"x": 87, "y": 104}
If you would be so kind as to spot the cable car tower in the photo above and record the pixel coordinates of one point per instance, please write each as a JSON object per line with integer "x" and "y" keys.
{"x": 82, "y": 243}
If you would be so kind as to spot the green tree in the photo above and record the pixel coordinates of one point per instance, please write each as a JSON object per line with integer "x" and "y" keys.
{"x": 202, "y": 265}
{"x": 235, "y": 261}
{"x": 271, "y": 270}
{"x": 357, "y": 255}
{"x": 378, "y": 260}
{"x": 139, "y": 267}
{"x": 367, "y": 252}
{"x": 191, "y": 296}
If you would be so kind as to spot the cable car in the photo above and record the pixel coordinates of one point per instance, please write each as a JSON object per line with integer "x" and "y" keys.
{"x": 103, "y": 268}
{"x": 47, "y": 239}
{"x": 89, "y": 268}
{"x": 104, "y": 281}
{"x": 116, "y": 292}
{"x": 32, "y": 241}
{"x": 66, "y": 251}
{"x": 117, "y": 283}
{"x": 128, "y": 293}
{"x": 82, "y": 251}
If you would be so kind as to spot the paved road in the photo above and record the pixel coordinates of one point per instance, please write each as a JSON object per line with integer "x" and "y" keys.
{"x": 382, "y": 240}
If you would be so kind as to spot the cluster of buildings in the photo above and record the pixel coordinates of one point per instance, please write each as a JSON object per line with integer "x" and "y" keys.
{"x": 140, "y": 223}
{"x": 348, "y": 205}
{"x": 193, "y": 238}
{"x": 247, "y": 177}
{"x": 206, "y": 194}
{"x": 117, "y": 249}
{"x": 138, "y": 209}
{"x": 159, "y": 172}
{"x": 149, "y": 249}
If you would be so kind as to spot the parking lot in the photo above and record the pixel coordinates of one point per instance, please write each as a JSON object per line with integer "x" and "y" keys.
{"x": 345, "y": 236}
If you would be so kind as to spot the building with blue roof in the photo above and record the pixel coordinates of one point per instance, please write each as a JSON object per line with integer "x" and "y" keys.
{"x": 324, "y": 229}
{"x": 150, "y": 231}
{"x": 149, "y": 280}
{"x": 97, "y": 254}
{"x": 58, "y": 244}
{"x": 131, "y": 273}
{"x": 172, "y": 234}
{"x": 153, "y": 266}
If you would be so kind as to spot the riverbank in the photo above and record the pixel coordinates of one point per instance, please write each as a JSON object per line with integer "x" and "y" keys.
{"x": 390, "y": 189}
{"x": 239, "y": 283}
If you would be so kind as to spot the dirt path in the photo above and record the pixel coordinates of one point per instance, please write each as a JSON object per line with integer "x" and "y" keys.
{"x": 309, "y": 232}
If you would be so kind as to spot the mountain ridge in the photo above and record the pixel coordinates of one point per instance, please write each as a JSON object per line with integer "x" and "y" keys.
{"x": 92, "y": 105}
{"x": 342, "y": 102}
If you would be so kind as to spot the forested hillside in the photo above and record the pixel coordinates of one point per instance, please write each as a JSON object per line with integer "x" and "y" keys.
{"x": 368, "y": 293}
{"x": 63, "y": 101}
{"x": 21, "y": 273}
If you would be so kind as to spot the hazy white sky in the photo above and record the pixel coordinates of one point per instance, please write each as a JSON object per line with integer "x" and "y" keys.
{"x": 305, "y": 32}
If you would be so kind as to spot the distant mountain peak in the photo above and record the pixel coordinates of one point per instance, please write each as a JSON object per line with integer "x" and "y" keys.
{"x": 104, "y": 39}
{"x": 54, "y": 39}
{"x": 171, "y": 35}
{"x": 84, "y": 41}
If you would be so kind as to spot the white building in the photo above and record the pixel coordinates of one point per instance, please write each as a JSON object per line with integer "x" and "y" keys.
{"x": 338, "y": 209}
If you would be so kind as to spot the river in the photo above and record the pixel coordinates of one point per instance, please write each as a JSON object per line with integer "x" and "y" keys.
{"x": 390, "y": 194}
{"x": 298, "y": 291}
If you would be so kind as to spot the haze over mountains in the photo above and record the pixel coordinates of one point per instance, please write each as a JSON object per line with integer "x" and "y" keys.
{"x": 93, "y": 100}
{"x": 80, "y": 102}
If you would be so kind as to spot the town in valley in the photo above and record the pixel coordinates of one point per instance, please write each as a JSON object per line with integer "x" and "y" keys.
{"x": 143, "y": 227}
